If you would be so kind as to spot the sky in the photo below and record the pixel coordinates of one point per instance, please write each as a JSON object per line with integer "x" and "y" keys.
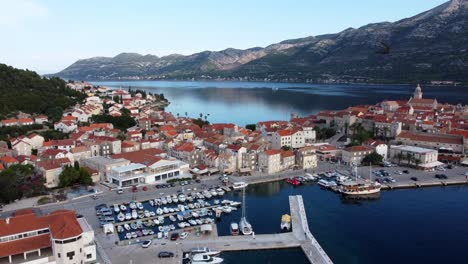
{"x": 49, "y": 35}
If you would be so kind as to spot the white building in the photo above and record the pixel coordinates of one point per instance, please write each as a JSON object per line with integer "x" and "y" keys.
{"x": 55, "y": 238}
{"x": 157, "y": 172}
{"x": 355, "y": 154}
{"x": 270, "y": 161}
{"x": 421, "y": 157}
{"x": 379, "y": 147}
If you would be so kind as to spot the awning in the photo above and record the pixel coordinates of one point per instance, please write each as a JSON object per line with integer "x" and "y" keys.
{"x": 431, "y": 164}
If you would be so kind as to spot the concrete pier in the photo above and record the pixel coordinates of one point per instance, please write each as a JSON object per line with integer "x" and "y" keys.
{"x": 299, "y": 237}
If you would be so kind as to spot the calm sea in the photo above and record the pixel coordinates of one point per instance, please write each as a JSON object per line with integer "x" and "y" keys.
{"x": 249, "y": 102}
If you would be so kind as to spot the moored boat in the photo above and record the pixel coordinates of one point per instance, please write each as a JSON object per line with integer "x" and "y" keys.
{"x": 234, "y": 229}
{"x": 285, "y": 222}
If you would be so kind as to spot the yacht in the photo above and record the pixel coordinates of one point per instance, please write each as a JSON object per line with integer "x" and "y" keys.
{"x": 326, "y": 184}
{"x": 244, "y": 225}
{"x": 239, "y": 185}
{"x": 204, "y": 259}
{"x": 234, "y": 229}
{"x": 285, "y": 222}
{"x": 205, "y": 251}
{"x": 360, "y": 187}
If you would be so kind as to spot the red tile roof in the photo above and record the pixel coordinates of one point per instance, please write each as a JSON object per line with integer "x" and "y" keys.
{"x": 144, "y": 156}
{"x": 62, "y": 224}
{"x": 358, "y": 148}
{"x": 8, "y": 159}
{"x": 440, "y": 138}
{"x": 271, "y": 152}
{"x": 288, "y": 153}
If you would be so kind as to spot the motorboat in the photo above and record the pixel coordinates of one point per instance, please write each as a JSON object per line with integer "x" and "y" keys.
{"x": 207, "y": 194}
{"x": 134, "y": 214}
{"x": 151, "y": 202}
{"x": 213, "y": 192}
{"x": 205, "y": 251}
{"x": 127, "y": 227}
{"x": 327, "y": 184}
{"x": 204, "y": 259}
{"x": 159, "y": 211}
{"x": 182, "y": 198}
{"x": 128, "y": 216}
{"x": 172, "y": 218}
{"x": 120, "y": 229}
{"x": 285, "y": 222}
{"x": 116, "y": 208}
{"x": 139, "y": 206}
{"x": 132, "y": 205}
{"x": 239, "y": 185}
{"x": 234, "y": 229}
{"x": 146, "y": 213}
{"x": 166, "y": 210}
{"x": 121, "y": 217}
{"x": 220, "y": 192}
{"x": 294, "y": 182}
{"x": 123, "y": 207}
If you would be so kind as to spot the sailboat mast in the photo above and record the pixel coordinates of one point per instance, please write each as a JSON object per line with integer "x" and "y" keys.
{"x": 243, "y": 202}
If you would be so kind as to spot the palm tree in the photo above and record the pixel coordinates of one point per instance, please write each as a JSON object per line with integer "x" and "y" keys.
{"x": 201, "y": 115}
{"x": 409, "y": 158}
{"x": 400, "y": 156}
{"x": 177, "y": 115}
{"x": 417, "y": 162}
{"x": 186, "y": 114}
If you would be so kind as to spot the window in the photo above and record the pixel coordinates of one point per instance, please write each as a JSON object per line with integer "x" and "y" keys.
{"x": 58, "y": 255}
{"x": 70, "y": 255}
{"x": 89, "y": 256}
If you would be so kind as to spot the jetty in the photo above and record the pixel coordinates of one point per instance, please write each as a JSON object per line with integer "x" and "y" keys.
{"x": 299, "y": 237}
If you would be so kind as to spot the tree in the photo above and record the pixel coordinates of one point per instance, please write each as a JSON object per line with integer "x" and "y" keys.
{"x": 372, "y": 159}
{"x": 417, "y": 162}
{"x": 286, "y": 148}
{"x": 252, "y": 127}
{"x": 71, "y": 176}
{"x": 409, "y": 158}
{"x": 400, "y": 156}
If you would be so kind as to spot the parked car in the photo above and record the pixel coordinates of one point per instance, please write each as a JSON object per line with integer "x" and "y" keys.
{"x": 119, "y": 191}
{"x": 414, "y": 178}
{"x": 406, "y": 171}
{"x": 145, "y": 188}
{"x": 174, "y": 236}
{"x": 398, "y": 172}
{"x": 99, "y": 206}
{"x": 165, "y": 254}
{"x": 146, "y": 243}
{"x": 184, "y": 235}
{"x": 441, "y": 176}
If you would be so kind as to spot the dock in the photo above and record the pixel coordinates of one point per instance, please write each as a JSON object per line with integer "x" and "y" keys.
{"x": 299, "y": 237}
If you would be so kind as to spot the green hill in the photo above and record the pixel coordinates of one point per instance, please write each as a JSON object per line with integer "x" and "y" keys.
{"x": 26, "y": 91}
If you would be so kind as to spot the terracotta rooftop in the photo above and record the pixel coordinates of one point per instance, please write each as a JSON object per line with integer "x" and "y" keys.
{"x": 144, "y": 156}
{"x": 358, "y": 149}
{"x": 271, "y": 152}
{"x": 427, "y": 137}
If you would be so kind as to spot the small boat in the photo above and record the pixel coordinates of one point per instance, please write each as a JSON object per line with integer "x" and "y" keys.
{"x": 151, "y": 202}
{"x": 171, "y": 210}
{"x": 199, "y": 222}
{"x": 152, "y": 214}
{"x": 220, "y": 192}
{"x": 165, "y": 210}
{"x": 213, "y": 192}
{"x": 218, "y": 212}
{"x": 239, "y": 185}
{"x": 192, "y": 222}
{"x": 134, "y": 235}
{"x": 216, "y": 201}
{"x": 133, "y": 226}
{"x": 164, "y": 201}
{"x": 127, "y": 227}
{"x": 326, "y": 184}
{"x": 139, "y": 206}
{"x": 121, "y": 217}
{"x": 294, "y": 182}
{"x": 160, "y": 235}
{"x": 128, "y": 216}
{"x": 172, "y": 218}
{"x": 159, "y": 211}
{"x": 182, "y": 198}
{"x": 120, "y": 229}
{"x": 146, "y": 213}
{"x": 128, "y": 235}
{"x": 205, "y": 259}
{"x": 189, "y": 199}
{"x": 205, "y": 250}
{"x": 285, "y": 222}
{"x": 116, "y": 208}
{"x": 207, "y": 194}
{"x": 134, "y": 214}
{"x": 123, "y": 207}
{"x": 244, "y": 225}
{"x": 156, "y": 221}
{"x": 132, "y": 205}
{"x": 175, "y": 199}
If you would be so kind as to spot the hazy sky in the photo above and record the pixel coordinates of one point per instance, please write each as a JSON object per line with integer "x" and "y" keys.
{"x": 49, "y": 35}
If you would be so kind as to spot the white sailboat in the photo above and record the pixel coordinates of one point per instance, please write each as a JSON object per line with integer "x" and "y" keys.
{"x": 244, "y": 225}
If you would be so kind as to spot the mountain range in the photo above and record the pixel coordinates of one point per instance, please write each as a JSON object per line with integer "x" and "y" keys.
{"x": 431, "y": 46}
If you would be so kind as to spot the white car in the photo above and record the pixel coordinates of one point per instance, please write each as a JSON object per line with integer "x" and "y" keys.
{"x": 146, "y": 243}
{"x": 184, "y": 235}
